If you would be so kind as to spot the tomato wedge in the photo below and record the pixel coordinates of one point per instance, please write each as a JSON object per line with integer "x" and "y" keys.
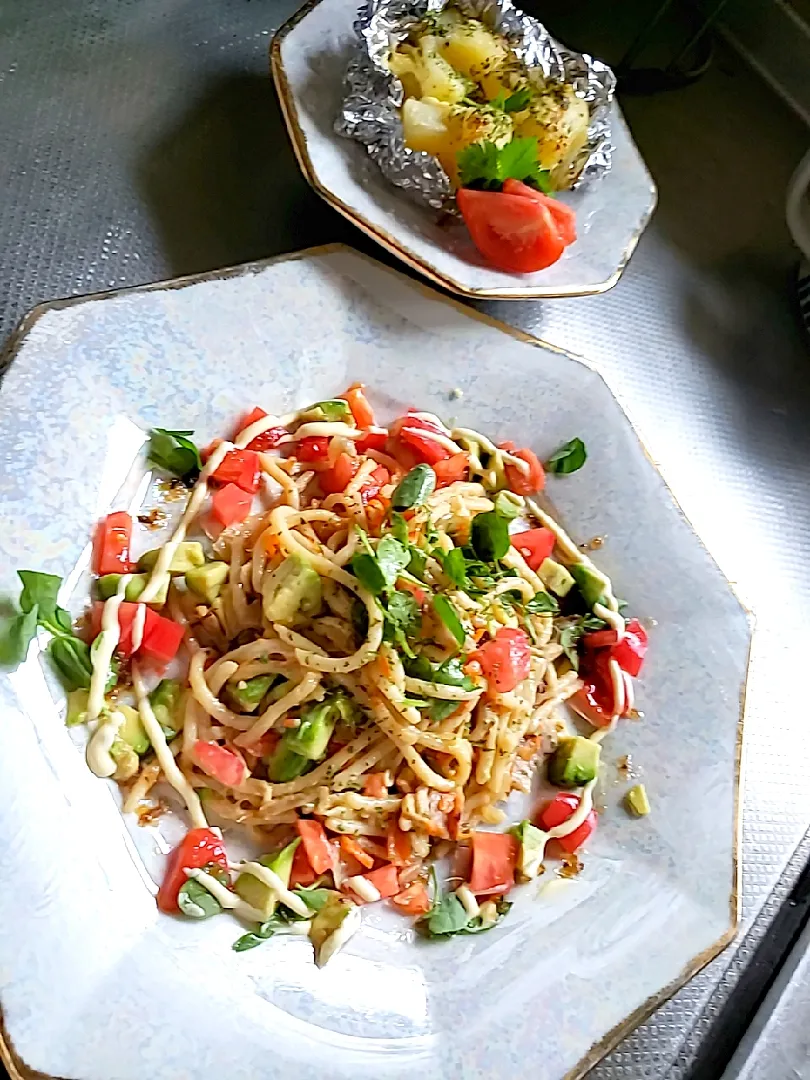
{"x": 301, "y": 873}
{"x": 413, "y": 900}
{"x": 558, "y": 811}
{"x": 230, "y": 505}
{"x": 535, "y": 545}
{"x": 512, "y": 233}
{"x": 220, "y": 762}
{"x": 361, "y": 410}
{"x": 629, "y": 653}
{"x": 494, "y": 857}
{"x": 452, "y": 469}
{"x": 240, "y": 467}
{"x": 111, "y": 544}
{"x": 416, "y": 434}
{"x": 320, "y": 853}
{"x": 505, "y": 660}
{"x": 564, "y": 217}
{"x": 372, "y": 440}
{"x": 268, "y": 439}
{"x": 198, "y": 848}
{"x": 521, "y": 482}
{"x": 161, "y": 638}
{"x": 385, "y": 880}
{"x": 338, "y": 477}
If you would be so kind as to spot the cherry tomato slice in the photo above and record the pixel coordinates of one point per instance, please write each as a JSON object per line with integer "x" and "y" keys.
{"x": 220, "y": 762}
{"x": 338, "y": 477}
{"x": 629, "y": 653}
{"x": 505, "y": 660}
{"x": 535, "y": 545}
{"x": 494, "y": 857}
{"x": 524, "y": 483}
{"x": 313, "y": 448}
{"x": 564, "y": 217}
{"x": 452, "y": 469}
{"x": 513, "y": 233}
{"x": 198, "y": 848}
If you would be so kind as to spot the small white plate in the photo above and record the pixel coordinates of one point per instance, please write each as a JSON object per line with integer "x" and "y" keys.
{"x": 309, "y": 58}
{"x": 94, "y": 983}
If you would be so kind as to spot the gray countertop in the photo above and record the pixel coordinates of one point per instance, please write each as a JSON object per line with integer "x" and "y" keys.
{"x": 141, "y": 139}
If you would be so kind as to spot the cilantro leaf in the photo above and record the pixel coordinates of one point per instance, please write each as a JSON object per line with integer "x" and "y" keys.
{"x": 485, "y": 165}
{"x": 569, "y": 458}
{"x": 402, "y": 620}
{"x": 174, "y": 452}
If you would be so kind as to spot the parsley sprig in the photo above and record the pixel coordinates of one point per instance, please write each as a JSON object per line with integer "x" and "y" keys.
{"x": 485, "y": 165}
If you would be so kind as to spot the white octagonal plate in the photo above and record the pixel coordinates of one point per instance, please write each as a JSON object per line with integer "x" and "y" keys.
{"x": 94, "y": 983}
{"x": 309, "y": 58}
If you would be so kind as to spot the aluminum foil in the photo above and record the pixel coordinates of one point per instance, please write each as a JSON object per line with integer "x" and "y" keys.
{"x": 373, "y": 96}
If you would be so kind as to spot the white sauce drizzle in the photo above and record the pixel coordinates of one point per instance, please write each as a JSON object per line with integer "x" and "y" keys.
{"x": 435, "y": 436}
{"x": 254, "y": 430}
{"x": 99, "y": 759}
{"x": 138, "y": 624}
{"x": 327, "y": 429}
{"x": 226, "y": 898}
{"x": 160, "y": 572}
{"x": 469, "y": 435}
{"x": 164, "y": 754}
{"x": 104, "y": 647}
{"x": 271, "y": 879}
{"x": 364, "y": 888}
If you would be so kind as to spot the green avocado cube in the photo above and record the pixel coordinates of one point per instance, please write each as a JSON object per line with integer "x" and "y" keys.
{"x": 107, "y": 586}
{"x": 532, "y": 848}
{"x": 188, "y": 556}
{"x": 207, "y": 581}
{"x": 284, "y": 764}
{"x": 293, "y": 588}
{"x": 131, "y": 730}
{"x": 165, "y": 702}
{"x": 637, "y": 801}
{"x": 255, "y": 892}
{"x": 311, "y": 737}
{"x": 247, "y": 694}
{"x": 592, "y": 585}
{"x": 555, "y": 577}
{"x": 575, "y": 762}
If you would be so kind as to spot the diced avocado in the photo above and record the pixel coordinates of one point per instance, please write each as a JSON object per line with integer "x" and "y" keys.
{"x": 255, "y": 892}
{"x": 312, "y": 736}
{"x": 188, "y": 556}
{"x": 126, "y": 760}
{"x": 165, "y": 702}
{"x": 335, "y": 409}
{"x": 292, "y": 588}
{"x": 207, "y": 581}
{"x": 532, "y": 847}
{"x": 591, "y": 585}
{"x": 248, "y": 693}
{"x": 131, "y": 730}
{"x": 284, "y": 764}
{"x": 555, "y": 577}
{"x": 107, "y": 586}
{"x": 77, "y": 707}
{"x": 637, "y": 801}
{"x": 575, "y": 762}
{"x": 326, "y": 923}
{"x": 507, "y": 505}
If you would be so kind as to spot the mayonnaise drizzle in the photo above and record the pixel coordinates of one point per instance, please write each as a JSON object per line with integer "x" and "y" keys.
{"x": 364, "y": 888}
{"x": 138, "y": 624}
{"x": 164, "y": 754}
{"x": 160, "y": 572}
{"x": 271, "y": 879}
{"x": 103, "y": 649}
{"x": 254, "y": 430}
{"x": 326, "y": 429}
{"x": 226, "y": 898}
{"x": 99, "y": 759}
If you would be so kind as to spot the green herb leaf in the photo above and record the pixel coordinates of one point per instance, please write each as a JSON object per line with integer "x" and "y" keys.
{"x": 542, "y": 603}
{"x": 569, "y": 458}
{"x": 417, "y": 563}
{"x": 41, "y": 590}
{"x": 174, "y": 452}
{"x": 440, "y": 709}
{"x": 402, "y": 620}
{"x": 449, "y": 616}
{"x": 392, "y": 557}
{"x": 367, "y": 571}
{"x": 16, "y": 635}
{"x": 414, "y": 489}
{"x": 399, "y": 528}
{"x": 71, "y": 658}
{"x": 571, "y": 634}
{"x": 313, "y": 898}
{"x": 448, "y": 916}
{"x": 489, "y": 536}
{"x": 455, "y": 566}
{"x": 484, "y": 165}
{"x": 196, "y": 901}
{"x": 518, "y": 101}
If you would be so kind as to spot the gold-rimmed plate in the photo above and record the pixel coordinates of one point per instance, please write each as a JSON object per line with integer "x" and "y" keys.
{"x": 309, "y": 56}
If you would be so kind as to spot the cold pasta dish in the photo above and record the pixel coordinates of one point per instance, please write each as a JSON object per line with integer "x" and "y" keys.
{"x": 356, "y": 643}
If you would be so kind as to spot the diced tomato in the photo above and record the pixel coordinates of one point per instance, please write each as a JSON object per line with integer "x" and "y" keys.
{"x": 161, "y": 639}
{"x": 584, "y": 703}
{"x": 520, "y": 482}
{"x": 415, "y": 434}
{"x": 385, "y": 880}
{"x": 240, "y": 467}
{"x": 350, "y": 847}
{"x": 313, "y": 448}
{"x": 512, "y": 233}
{"x": 361, "y": 410}
{"x": 314, "y": 840}
{"x": 494, "y": 857}
{"x": 535, "y": 545}
{"x": 230, "y": 505}
{"x": 377, "y": 479}
{"x": 451, "y": 469}
{"x": 372, "y": 440}
{"x": 111, "y": 544}
{"x": 558, "y": 811}
{"x": 505, "y": 660}
{"x": 629, "y": 653}
{"x": 596, "y": 700}
{"x": 198, "y": 848}
{"x": 413, "y": 900}
{"x": 248, "y": 420}
{"x": 301, "y": 873}
{"x": 398, "y": 844}
{"x": 126, "y": 616}
{"x": 220, "y": 762}
{"x": 264, "y": 745}
{"x": 339, "y": 476}
{"x": 374, "y": 785}
{"x": 268, "y": 439}
{"x": 405, "y": 455}
{"x": 599, "y": 639}
{"x": 376, "y": 510}
{"x": 564, "y": 217}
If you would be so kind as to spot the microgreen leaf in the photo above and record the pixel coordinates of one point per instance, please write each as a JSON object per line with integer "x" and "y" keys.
{"x": 569, "y": 458}
{"x": 313, "y": 898}
{"x": 490, "y": 536}
{"x": 414, "y": 489}
{"x": 367, "y": 571}
{"x": 174, "y": 452}
{"x": 71, "y": 658}
{"x": 392, "y": 557}
{"x": 196, "y": 901}
{"x": 41, "y": 590}
{"x": 541, "y": 603}
{"x": 449, "y": 616}
{"x": 455, "y": 566}
{"x": 16, "y": 634}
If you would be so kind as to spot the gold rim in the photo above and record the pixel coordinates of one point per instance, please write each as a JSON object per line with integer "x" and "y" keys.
{"x": 15, "y": 1066}
{"x": 389, "y": 242}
